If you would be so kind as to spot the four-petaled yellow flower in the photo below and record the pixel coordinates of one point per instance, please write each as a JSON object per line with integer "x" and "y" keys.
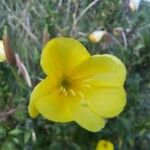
{"x": 78, "y": 87}
{"x": 104, "y": 145}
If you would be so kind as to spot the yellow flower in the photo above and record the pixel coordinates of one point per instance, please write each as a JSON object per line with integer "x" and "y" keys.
{"x": 2, "y": 52}
{"x": 104, "y": 145}
{"x": 78, "y": 87}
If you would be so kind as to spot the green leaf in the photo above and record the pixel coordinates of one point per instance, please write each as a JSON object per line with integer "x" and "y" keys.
{"x": 27, "y": 136}
{"x": 2, "y": 132}
{"x": 56, "y": 146}
{"x": 8, "y": 146}
{"x": 74, "y": 146}
{"x": 15, "y": 132}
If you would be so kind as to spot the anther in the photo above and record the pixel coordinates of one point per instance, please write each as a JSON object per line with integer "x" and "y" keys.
{"x": 81, "y": 94}
{"x": 72, "y": 92}
{"x": 64, "y": 91}
{"x": 83, "y": 101}
{"x": 61, "y": 89}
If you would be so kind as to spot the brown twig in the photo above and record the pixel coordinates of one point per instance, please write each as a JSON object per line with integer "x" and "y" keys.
{"x": 124, "y": 39}
{"x": 23, "y": 70}
{"x": 5, "y": 115}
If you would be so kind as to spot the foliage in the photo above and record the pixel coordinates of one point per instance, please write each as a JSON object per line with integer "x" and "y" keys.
{"x": 26, "y": 20}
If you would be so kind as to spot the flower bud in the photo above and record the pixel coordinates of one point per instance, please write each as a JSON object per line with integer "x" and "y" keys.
{"x": 10, "y": 56}
{"x": 46, "y": 35}
{"x": 97, "y": 36}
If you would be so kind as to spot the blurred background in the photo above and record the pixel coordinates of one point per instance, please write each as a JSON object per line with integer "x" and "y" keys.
{"x": 118, "y": 27}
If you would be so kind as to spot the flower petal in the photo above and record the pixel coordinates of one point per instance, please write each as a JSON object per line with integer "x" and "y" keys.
{"x": 62, "y": 54}
{"x": 45, "y": 87}
{"x": 54, "y": 107}
{"x": 107, "y": 102}
{"x": 102, "y": 70}
{"x": 85, "y": 117}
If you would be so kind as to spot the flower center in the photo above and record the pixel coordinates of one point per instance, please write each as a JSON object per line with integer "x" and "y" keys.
{"x": 69, "y": 87}
{"x": 66, "y": 87}
{"x": 105, "y": 145}
{"x": 65, "y": 84}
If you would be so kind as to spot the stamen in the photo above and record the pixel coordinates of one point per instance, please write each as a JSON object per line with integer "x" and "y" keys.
{"x": 83, "y": 101}
{"x": 61, "y": 89}
{"x": 64, "y": 91}
{"x": 72, "y": 92}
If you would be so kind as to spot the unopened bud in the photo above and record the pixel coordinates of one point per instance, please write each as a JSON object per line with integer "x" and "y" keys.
{"x": 7, "y": 47}
{"x": 46, "y": 35}
{"x": 97, "y": 36}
